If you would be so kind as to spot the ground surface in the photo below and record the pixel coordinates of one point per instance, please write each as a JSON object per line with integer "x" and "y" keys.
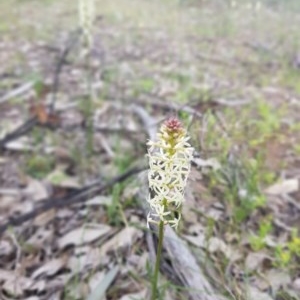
{"x": 230, "y": 72}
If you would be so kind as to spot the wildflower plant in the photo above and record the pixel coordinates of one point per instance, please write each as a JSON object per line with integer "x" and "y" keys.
{"x": 169, "y": 161}
{"x": 86, "y": 10}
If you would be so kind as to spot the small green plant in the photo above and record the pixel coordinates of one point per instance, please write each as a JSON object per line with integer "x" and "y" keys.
{"x": 123, "y": 161}
{"x": 210, "y": 228}
{"x": 114, "y": 210}
{"x": 294, "y": 244}
{"x": 297, "y": 149}
{"x": 122, "y": 158}
{"x": 285, "y": 253}
{"x": 214, "y": 139}
{"x": 283, "y": 256}
{"x": 257, "y": 242}
{"x": 253, "y": 198}
{"x": 267, "y": 124}
{"x": 39, "y": 166}
{"x": 184, "y": 115}
{"x": 145, "y": 85}
{"x": 109, "y": 74}
{"x": 86, "y": 11}
{"x": 241, "y": 187}
{"x": 38, "y": 136}
{"x": 86, "y": 107}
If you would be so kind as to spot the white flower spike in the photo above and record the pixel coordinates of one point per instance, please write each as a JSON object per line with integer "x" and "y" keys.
{"x": 169, "y": 160}
{"x": 86, "y": 9}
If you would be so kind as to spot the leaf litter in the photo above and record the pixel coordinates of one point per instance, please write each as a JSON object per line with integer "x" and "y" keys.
{"x": 98, "y": 247}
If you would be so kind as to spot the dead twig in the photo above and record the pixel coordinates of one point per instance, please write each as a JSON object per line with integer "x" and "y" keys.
{"x": 21, "y": 130}
{"x": 75, "y": 197}
{"x": 171, "y": 105}
{"x": 28, "y": 125}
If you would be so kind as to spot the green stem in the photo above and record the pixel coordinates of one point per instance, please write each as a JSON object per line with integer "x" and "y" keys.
{"x": 157, "y": 263}
{"x": 89, "y": 105}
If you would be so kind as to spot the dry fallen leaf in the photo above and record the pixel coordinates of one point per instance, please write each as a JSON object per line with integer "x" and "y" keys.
{"x": 6, "y": 248}
{"x": 6, "y": 275}
{"x": 284, "y": 187}
{"x": 59, "y": 178}
{"x": 135, "y": 296}
{"x": 296, "y": 284}
{"x": 95, "y": 279}
{"x": 215, "y": 244}
{"x": 255, "y": 294}
{"x": 8, "y": 198}
{"x": 44, "y": 218}
{"x": 21, "y": 144}
{"x": 99, "y": 200}
{"x": 254, "y": 260}
{"x": 207, "y": 163}
{"x": 78, "y": 291}
{"x": 56, "y": 296}
{"x": 86, "y": 258}
{"x": 123, "y": 239}
{"x": 98, "y": 293}
{"x": 18, "y": 285}
{"x": 278, "y": 279}
{"x": 58, "y": 283}
{"x": 43, "y": 115}
{"x": 198, "y": 241}
{"x": 35, "y": 190}
{"x": 49, "y": 269}
{"x": 41, "y": 238}
{"x": 83, "y": 235}
{"x": 261, "y": 283}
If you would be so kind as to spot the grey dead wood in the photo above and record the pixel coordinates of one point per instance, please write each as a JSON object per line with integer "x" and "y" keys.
{"x": 150, "y": 127}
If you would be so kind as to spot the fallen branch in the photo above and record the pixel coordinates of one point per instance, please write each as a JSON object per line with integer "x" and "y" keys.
{"x": 28, "y": 125}
{"x": 75, "y": 197}
{"x": 154, "y": 100}
{"x": 21, "y": 130}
